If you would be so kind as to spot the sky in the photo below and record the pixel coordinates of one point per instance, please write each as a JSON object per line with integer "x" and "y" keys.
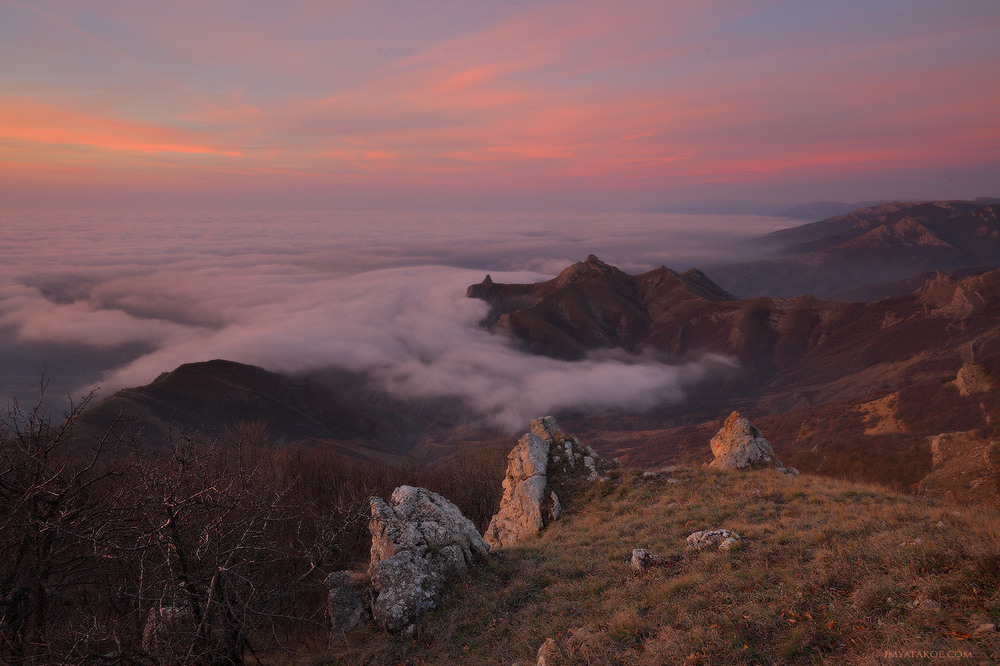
{"x": 500, "y": 105}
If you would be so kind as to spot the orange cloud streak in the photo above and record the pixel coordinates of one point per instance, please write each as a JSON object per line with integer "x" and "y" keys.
{"x": 29, "y": 121}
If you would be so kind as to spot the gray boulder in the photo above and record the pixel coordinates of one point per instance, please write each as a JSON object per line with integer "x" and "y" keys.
{"x": 420, "y": 541}
{"x": 642, "y": 560}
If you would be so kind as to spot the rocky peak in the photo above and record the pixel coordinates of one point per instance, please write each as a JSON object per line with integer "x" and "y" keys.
{"x": 590, "y": 269}
{"x": 485, "y": 290}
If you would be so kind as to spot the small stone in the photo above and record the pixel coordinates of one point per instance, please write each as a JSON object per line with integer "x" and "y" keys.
{"x": 671, "y": 480}
{"x": 642, "y": 559}
{"x": 648, "y": 475}
{"x": 986, "y": 628}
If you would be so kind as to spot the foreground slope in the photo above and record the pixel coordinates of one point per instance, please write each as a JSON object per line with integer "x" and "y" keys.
{"x": 829, "y": 571}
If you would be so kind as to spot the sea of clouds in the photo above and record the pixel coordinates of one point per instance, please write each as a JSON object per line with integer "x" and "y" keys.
{"x": 116, "y": 300}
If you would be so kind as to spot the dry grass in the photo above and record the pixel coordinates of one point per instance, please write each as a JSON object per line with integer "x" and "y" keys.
{"x": 830, "y": 573}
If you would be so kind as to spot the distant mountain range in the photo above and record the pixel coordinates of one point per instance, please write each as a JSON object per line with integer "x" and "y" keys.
{"x": 811, "y": 210}
{"x": 869, "y": 249}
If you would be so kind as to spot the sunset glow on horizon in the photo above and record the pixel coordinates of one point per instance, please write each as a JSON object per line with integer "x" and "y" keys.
{"x": 525, "y": 105}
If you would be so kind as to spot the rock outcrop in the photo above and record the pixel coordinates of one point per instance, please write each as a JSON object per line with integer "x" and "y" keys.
{"x": 740, "y": 445}
{"x": 973, "y": 379}
{"x": 965, "y": 468}
{"x": 541, "y": 459}
{"x": 420, "y": 541}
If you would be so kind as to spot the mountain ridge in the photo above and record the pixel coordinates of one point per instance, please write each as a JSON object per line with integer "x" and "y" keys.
{"x": 885, "y": 243}
{"x": 800, "y": 359}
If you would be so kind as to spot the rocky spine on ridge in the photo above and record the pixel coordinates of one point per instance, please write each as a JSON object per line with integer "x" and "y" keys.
{"x": 541, "y": 458}
{"x": 740, "y": 445}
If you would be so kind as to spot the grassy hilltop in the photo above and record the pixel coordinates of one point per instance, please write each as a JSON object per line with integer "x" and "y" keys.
{"x": 829, "y": 572}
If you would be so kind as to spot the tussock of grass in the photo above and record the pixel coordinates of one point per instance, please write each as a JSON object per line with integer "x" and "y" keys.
{"x": 829, "y": 572}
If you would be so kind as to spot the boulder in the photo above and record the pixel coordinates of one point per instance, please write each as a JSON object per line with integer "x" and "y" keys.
{"x": 740, "y": 445}
{"x": 426, "y": 524}
{"x": 420, "y": 541}
{"x": 721, "y": 539}
{"x": 347, "y": 602}
{"x": 542, "y": 456}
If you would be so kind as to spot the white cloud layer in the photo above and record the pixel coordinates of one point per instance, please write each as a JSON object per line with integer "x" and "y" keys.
{"x": 383, "y": 294}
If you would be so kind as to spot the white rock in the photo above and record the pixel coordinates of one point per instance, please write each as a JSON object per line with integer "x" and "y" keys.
{"x": 556, "y": 510}
{"x": 524, "y": 509}
{"x": 721, "y": 539}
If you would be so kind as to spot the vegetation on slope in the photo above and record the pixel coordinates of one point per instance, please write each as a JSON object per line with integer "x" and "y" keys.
{"x": 227, "y": 539}
{"x": 829, "y": 572}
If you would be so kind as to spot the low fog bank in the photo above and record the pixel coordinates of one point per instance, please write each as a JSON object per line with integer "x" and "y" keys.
{"x": 117, "y": 301}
